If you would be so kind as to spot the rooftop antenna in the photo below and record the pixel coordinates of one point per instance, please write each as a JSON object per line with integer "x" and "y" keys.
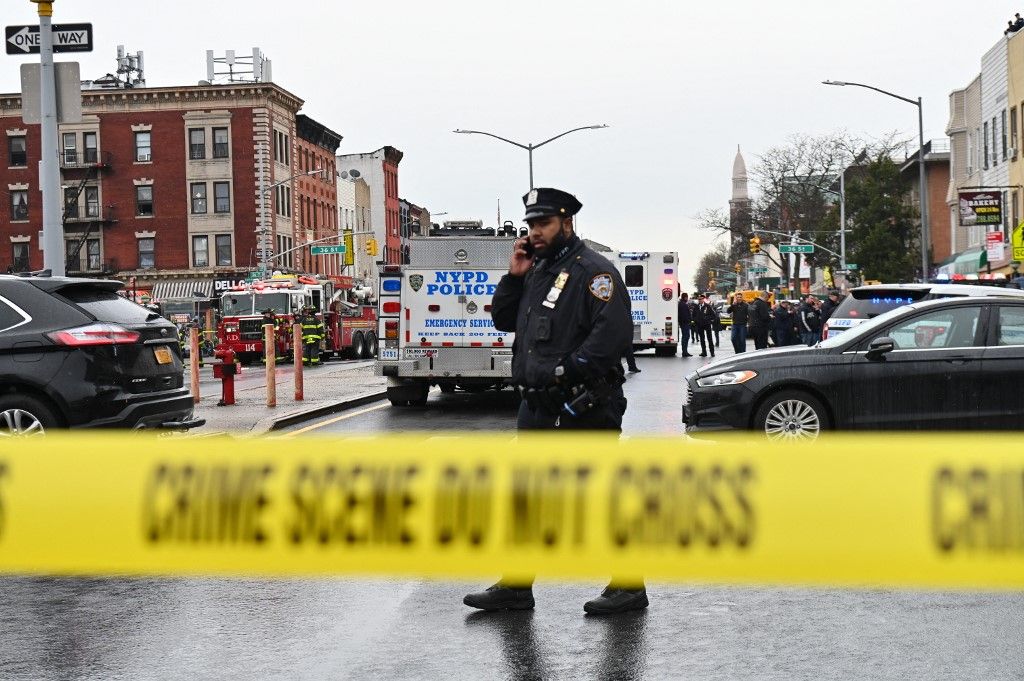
{"x": 233, "y": 68}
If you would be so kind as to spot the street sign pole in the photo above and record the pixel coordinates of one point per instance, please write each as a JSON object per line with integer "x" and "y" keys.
{"x": 49, "y": 173}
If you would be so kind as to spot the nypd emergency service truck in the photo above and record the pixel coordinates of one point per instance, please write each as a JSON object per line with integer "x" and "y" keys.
{"x": 652, "y": 280}
{"x": 434, "y": 317}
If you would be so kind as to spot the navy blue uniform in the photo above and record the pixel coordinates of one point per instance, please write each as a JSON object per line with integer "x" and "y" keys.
{"x": 586, "y": 329}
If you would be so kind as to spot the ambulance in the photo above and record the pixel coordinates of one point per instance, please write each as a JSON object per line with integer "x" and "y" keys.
{"x": 434, "y": 317}
{"x": 652, "y": 280}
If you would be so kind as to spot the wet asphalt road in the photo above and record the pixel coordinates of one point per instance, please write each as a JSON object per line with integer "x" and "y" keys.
{"x": 408, "y": 629}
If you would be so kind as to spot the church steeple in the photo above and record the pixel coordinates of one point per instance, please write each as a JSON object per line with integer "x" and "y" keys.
{"x": 739, "y": 178}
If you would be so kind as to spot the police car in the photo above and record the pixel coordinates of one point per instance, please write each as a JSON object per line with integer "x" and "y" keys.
{"x": 866, "y": 302}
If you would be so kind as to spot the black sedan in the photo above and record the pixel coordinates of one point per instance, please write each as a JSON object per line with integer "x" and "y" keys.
{"x": 950, "y": 364}
{"x": 75, "y": 354}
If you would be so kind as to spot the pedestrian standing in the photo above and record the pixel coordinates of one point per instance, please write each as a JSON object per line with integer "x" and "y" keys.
{"x": 716, "y": 322}
{"x": 684, "y": 318}
{"x": 631, "y": 359}
{"x": 740, "y": 312}
{"x": 829, "y": 305}
{"x": 693, "y": 313}
{"x": 571, "y": 315}
{"x": 703, "y": 318}
{"x": 782, "y": 325}
{"x": 760, "y": 320}
{"x": 312, "y": 334}
{"x": 810, "y": 321}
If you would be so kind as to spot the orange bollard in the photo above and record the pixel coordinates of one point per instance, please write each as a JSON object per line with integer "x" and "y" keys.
{"x": 270, "y": 352}
{"x": 193, "y": 353}
{"x": 297, "y": 344}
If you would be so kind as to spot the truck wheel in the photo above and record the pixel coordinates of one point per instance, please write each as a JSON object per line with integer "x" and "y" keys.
{"x": 408, "y": 395}
{"x": 371, "y": 346}
{"x": 664, "y": 351}
{"x": 358, "y": 345}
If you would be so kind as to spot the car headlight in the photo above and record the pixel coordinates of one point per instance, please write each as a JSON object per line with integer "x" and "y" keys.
{"x": 727, "y": 378}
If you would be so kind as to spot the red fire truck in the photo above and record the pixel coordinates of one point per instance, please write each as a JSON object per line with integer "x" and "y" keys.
{"x": 349, "y": 324}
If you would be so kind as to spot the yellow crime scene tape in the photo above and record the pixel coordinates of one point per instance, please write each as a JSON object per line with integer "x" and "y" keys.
{"x": 925, "y": 511}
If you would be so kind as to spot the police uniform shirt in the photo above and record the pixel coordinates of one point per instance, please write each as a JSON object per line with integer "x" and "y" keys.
{"x": 586, "y": 327}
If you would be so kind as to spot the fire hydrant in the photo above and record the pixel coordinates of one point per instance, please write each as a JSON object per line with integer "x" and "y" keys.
{"x": 225, "y": 370}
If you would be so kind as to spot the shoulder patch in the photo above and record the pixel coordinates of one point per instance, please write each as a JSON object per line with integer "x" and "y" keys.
{"x": 601, "y": 286}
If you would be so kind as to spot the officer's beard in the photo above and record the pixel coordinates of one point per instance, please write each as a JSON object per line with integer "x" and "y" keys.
{"x": 555, "y": 247}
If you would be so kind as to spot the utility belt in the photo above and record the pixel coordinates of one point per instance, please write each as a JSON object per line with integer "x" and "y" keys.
{"x": 571, "y": 398}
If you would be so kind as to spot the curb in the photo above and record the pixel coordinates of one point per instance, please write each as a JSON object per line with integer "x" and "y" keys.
{"x": 273, "y": 423}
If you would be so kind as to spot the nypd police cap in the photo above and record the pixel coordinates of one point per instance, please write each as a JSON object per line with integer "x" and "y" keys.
{"x": 544, "y": 202}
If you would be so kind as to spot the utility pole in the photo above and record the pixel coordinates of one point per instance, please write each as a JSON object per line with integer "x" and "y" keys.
{"x": 49, "y": 172}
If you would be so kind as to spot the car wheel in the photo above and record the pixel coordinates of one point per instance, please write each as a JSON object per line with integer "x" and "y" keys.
{"x": 791, "y": 415}
{"x": 22, "y": 415}
{"x": 358, "y": 345}
{"x": 370, "y": 351}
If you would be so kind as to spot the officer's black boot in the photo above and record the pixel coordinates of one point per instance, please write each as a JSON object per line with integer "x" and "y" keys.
{"x": 615, "y": 600}
{"x": 501, "y": 597}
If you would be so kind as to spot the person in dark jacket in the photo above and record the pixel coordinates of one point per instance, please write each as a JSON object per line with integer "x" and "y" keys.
{"x": 684, "y": 318}
{"x": 809, "y": 320}
{"x": 782, "y": 325}
{"x": 571, "y": 315}
{"x": 829, "y": 305}
{"x": 760, "y": 320}
{"x": 740, "y": 312}
{"x": 703, "y": 320}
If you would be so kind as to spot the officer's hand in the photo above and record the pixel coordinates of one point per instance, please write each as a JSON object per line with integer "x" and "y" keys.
{"x": 522, "y": 258}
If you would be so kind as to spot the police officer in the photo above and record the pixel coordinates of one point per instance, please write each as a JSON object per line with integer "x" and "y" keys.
{"x": 312, "y": 332}
{"x": 571, "y": 315}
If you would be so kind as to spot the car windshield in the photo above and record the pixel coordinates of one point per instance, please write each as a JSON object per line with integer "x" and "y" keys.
{"x": 869, "y": 303}
{"x": 865, "y": 329}
{"x": 278, "y": 302}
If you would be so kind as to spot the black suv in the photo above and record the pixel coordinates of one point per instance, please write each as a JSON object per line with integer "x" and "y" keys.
{"x": 75, "y": 354}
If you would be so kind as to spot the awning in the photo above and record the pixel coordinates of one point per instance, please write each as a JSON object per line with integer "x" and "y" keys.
{"x": 970, "y": 261}
{"x": 183, "y": 289}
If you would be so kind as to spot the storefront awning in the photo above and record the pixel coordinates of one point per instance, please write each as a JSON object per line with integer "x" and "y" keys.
{"x": 183, "y": 289}
{"x": 971, "y": 261}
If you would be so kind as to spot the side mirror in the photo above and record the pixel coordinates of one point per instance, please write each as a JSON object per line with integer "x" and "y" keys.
{"x": 880, "y": 346}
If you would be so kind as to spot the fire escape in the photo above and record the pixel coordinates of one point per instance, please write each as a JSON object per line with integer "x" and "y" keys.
{"x": 82, "y": 171}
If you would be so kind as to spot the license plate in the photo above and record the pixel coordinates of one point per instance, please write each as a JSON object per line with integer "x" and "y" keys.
{"x": 389, "y": 354}
{"x": 163, "y": 355}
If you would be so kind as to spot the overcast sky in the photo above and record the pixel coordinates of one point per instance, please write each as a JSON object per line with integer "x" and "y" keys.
{"x": 681, "y": 83}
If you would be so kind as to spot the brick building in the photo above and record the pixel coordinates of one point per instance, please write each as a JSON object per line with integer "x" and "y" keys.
{"x": 165, "y": 186}
{"x": 317, "y": 194}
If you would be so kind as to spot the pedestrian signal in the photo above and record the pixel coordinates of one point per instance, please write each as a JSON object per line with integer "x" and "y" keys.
{"x": 755, "y": 244}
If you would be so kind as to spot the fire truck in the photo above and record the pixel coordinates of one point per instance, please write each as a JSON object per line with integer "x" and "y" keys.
{"x": 350, "y": 323}
{"x": 435, "y": 316}
{"x": 652, "y": 280}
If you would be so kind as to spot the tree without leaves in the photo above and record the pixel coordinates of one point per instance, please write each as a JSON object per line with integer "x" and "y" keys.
{"x": 710, "y": 261}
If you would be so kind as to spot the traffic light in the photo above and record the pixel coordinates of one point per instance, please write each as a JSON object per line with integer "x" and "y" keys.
{"x": 755, "y": 244}
{"x": 712, "y": 283}
{"x": 371, "y": 247}
{"x": 736, "y": 268}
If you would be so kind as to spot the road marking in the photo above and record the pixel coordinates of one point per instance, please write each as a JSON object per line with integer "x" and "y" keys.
{"x": 300, "y": 431}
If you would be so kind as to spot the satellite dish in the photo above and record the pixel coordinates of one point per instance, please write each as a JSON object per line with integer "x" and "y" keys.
{"x": 354, "y": 173}
{"x": 343, "y": 174}
{"x": 204, "y": 82}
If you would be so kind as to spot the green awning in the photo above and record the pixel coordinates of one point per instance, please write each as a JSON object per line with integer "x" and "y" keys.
{"x": 971, "y": 261}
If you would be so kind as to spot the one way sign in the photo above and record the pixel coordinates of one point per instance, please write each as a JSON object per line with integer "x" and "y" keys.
{"x": 66, "y": 38}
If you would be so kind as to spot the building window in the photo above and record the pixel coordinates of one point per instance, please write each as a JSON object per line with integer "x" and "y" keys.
{"x": 92, "y": 202}
{"x": 223, "y": 242}
{"x": 200, "y": 251}
{"x": 1003, "y": 128}
{"x": 92, "y": 255}
{"x": 220, "y": 142}
{"x": 147, "y": 253}
{"x": 144, "y": 200}
{"x": 196, "y": 144}
{"x": 70, "y": 203}
{"x": 19, "y": 204}
{"x": 143, "y": 147}
{"x": 19, "y": 257}
{"x": 70, "y": 142}
{"x": 284, "y": 201}
{"x": 197, "y": 190}
{"x": 985, "y": 150}
{"x": 221, "y": 197}
{"x": 1013, "y": 133}
{"x": 16, "y": 151}
{"x": 89, "y": 147}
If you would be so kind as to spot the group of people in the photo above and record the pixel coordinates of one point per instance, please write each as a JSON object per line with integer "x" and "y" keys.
{"x": 787, "y": 323}
{"x": 1015, "y": 24}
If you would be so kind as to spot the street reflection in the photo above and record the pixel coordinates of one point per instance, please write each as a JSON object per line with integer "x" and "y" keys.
{"x": 623, "y": 645}
{"x": 517, "y": 637}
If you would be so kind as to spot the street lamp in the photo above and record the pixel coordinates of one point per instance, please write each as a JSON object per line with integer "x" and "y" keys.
{"x": 264, "y": 250}
{"x": 923, "y": 190}
{"x": 530, "y": 147}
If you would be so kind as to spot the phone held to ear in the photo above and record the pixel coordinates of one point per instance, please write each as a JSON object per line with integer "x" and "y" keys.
{"x": 528, "y": 248}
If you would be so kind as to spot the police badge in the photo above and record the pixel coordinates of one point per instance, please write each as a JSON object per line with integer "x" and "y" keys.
{"x": 416, "y": 281}
{"x": 531, "y": 198}
{"x": 601, "y": 286}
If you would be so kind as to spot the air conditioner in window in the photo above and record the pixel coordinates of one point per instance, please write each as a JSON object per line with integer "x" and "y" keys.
{"x": 143, "y": 157}
{"x": 1012, "y": 151}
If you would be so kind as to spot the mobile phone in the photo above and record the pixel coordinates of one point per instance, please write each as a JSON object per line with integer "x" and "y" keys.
{"x": 528, "y": 247}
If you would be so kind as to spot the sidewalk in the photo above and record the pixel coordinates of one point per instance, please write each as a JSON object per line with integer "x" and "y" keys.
{"x": 330, "y": 387}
